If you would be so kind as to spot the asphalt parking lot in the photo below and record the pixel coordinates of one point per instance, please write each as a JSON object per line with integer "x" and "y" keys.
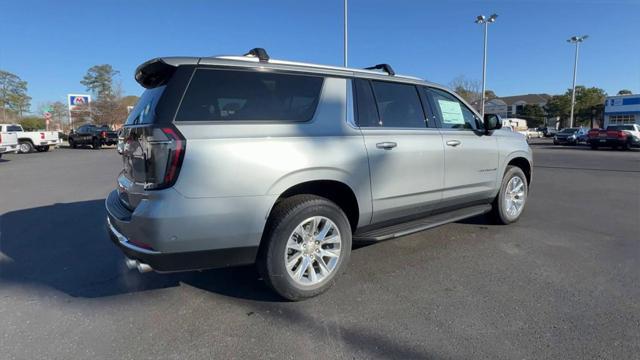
{"x": 564, "y": 282}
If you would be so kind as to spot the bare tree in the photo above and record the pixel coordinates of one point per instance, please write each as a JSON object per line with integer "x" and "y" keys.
{"x": 467, "y": 88}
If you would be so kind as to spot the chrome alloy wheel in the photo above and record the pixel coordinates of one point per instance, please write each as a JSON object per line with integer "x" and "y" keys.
{"x": 313, "y": 251}
{"x": 514, "y": 197}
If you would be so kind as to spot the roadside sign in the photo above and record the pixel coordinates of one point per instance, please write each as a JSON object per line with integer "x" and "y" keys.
{"x": 47, "y": 115}
{"x": 76, "y": 100}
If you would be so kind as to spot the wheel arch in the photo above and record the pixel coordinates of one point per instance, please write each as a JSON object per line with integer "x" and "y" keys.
{"x": 524, "y": 164}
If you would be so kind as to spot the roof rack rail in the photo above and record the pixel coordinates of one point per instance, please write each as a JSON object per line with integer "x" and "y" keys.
{"x": 260, "y": 53}
{"x": 384, "y": 67}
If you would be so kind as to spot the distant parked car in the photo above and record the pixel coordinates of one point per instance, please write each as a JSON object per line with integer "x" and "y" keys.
{"x": 94, "y": 135}
{"x": 8, "y": 140}
{"x": 582, "y": 135}
{"x": 30, "y": 141}
{"x": 568, "y": 136}
{"x": 548, "y": 131}
{"x": 533, "y": 133}
{"x": 615, "y": 136}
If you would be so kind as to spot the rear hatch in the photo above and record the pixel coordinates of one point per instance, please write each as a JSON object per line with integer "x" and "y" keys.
{"x": 153, "y": 148}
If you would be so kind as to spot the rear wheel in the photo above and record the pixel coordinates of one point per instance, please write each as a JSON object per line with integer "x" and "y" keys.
{"x": 626, "y": 146}
{"x": 72, "y": 144}
{"x": 509, "y": 203}
{"x": 307, "y": 243}
{"x": 25, "y": 147}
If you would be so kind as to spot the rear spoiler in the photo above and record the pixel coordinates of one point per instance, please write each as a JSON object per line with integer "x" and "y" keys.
{"x": 158, "y": 71}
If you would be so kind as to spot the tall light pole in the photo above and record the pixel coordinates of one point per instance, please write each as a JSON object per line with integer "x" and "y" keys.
{"x": 575, "y": 40}
{"x": 482, "y": 20}
{"x": 345, "y": 33}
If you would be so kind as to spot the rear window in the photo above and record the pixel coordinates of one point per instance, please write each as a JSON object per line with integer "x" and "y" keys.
{"x": 621, "y": 127}
{"x": 144, "y": 111}
{"x": 231, "y": 95}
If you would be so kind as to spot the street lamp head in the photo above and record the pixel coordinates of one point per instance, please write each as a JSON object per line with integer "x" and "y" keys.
{"x": 480, "y": 19}
{"x": 577, "y": 39}
{"x": 492, "y": 18}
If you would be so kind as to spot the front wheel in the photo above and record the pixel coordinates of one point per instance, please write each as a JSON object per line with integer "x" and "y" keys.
{"x": 509, "y": 203}
{"x": 96, "y": 144}
{"x": 307, "y": 243}
{"x": 72, "y": 144}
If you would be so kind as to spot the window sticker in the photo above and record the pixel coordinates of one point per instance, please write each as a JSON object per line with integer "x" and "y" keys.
{"x": 451, "y": 112}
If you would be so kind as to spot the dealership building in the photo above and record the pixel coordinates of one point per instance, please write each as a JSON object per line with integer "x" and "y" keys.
{"x": 622, "y": 109}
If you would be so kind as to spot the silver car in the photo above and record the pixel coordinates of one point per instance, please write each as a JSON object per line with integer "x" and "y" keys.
{"x": 235, "y": 160}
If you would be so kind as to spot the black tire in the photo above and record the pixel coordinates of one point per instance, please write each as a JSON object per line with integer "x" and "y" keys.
{"x": 72, "y": 144}
{"x": 25, "y": 147}
{"x": 626, "y": 146}
{"x": 284, "y": 218}
{"x": 45, "y": 148}
{"x": 96, "y": 144}
{"x": 498, "y": 212}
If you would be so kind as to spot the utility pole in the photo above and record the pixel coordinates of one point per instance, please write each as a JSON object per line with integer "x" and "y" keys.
{"x": 345, "y": 33}
{"x": 575, "y": 40}
{"x": 482, "y": 20}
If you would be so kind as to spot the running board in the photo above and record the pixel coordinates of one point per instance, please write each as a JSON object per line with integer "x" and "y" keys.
{"x": 410, "y": 227}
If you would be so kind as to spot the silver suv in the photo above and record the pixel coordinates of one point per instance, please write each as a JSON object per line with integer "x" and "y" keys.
{"x": 235, "y": 160}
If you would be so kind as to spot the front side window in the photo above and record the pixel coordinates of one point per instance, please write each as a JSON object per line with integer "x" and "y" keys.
{"x": 231, "y": 95}
{"x": 398, "y": 105}
{"x": 452, "y": 112}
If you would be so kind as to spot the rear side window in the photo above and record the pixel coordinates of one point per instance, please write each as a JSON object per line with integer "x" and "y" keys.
{"x": 228, "y": 95}
{"x": 398, "y": 105}
{"x": 144, "y": 111}
{"x": 12, "y": 128}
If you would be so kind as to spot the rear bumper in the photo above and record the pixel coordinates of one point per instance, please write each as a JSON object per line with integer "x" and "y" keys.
{"x": 183, "y": 261}
{"x": 8, "y": 148}
{"x": 614, "y": 142}
{"x": 185, "y": 234}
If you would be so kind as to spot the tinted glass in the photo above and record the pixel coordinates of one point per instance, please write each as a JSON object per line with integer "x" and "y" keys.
{"x": 144, "y": 111}
{"x": 225, "y": 95}
{"x": 11, "y": 128}
{"x": 367, "y": 111}
{"x": 621, "y": 127}
{"x": 398, "y": 105}
{"x": 453, "y": 114}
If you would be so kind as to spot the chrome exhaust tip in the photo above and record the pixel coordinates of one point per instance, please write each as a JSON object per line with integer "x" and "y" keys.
{"x": 135, "y": 264}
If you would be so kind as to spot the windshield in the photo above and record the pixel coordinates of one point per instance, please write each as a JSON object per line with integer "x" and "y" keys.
{"x": 568, "y": 131}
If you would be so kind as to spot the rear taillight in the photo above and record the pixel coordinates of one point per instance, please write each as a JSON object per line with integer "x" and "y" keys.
{"x": 103, "y": 134}
{"x": 163, "y": 153}
{"x": 42, "y": 136}
{"x": 0, "y": 138}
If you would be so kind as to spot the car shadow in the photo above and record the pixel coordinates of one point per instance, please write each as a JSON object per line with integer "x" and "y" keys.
{"x": 66, "y": 247}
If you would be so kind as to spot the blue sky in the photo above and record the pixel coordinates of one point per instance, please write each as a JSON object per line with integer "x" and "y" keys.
{"x": 52, "y": 44}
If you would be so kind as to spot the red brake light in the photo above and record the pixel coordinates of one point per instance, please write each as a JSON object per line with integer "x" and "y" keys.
{"x": 103, "y": 134}
{"x": 42, "y": 136}
{"x": 175, "y": 156}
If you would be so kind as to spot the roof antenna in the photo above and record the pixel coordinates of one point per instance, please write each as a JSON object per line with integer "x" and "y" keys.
{"x": 260, "y": 53}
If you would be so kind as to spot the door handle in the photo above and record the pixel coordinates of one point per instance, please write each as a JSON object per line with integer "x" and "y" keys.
{"x": 387, "y": 145}
{"x": 453, "y": 143}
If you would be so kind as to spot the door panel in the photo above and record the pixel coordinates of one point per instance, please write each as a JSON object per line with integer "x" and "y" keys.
{"x": 470, "y": 156}
{"x": 405, "y": 179}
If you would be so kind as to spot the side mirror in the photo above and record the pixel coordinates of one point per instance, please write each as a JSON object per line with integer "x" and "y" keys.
{"x": 492, "y": 122}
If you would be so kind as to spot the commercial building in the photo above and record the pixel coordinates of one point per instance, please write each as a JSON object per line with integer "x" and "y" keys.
{"x": 622, "y": 109}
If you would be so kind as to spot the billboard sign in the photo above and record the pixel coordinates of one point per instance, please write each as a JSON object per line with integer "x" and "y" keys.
{"x": 76, "y": 100}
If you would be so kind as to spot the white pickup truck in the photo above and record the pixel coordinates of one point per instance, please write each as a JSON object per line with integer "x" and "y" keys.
{"x": 8, "y": 141}
{"x": 30, "y": 141}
